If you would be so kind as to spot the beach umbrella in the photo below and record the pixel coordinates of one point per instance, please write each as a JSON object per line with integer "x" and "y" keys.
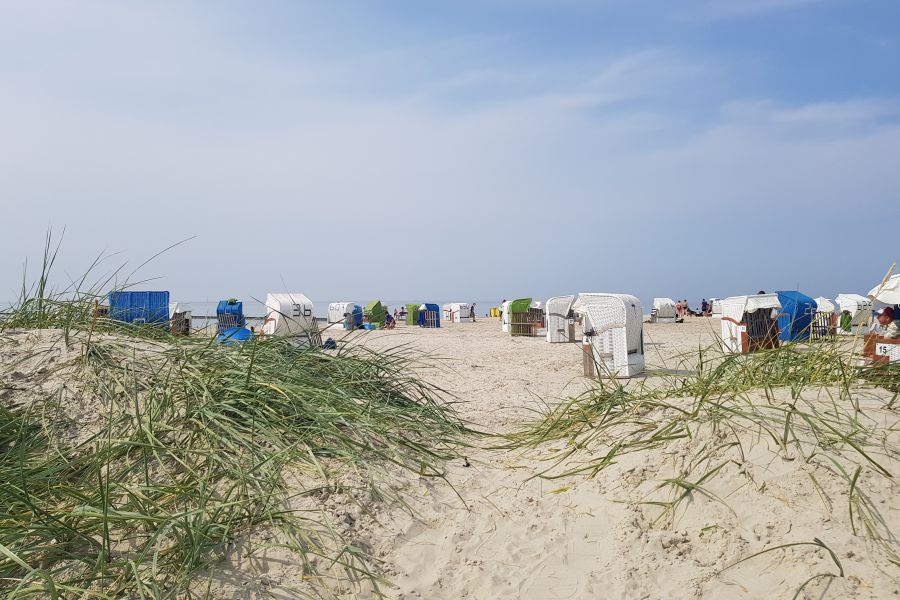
{"x": 887, "y": 292}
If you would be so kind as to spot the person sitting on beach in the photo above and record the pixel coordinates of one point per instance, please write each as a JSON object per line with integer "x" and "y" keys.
{"x": 890, "y": 327}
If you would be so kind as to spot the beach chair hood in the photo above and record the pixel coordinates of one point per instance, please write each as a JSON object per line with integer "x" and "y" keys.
{"x": 888, "y": 292}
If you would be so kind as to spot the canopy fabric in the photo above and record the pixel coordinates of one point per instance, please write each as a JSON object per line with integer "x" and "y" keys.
{"x": 230, "y": 306}
{"x": 854, "y": 303}
{"x": 660, "y": 302}
{"x": 229, "y": 313}
{"x": 888, "y": 292}
{"x": 559, "y": 306}
{"x": 356, "y": 316}
{"x": 735, "y": 306}
{"x": 615, "y": 307}
{"x": 178, "y": 307}
{"x": 426, "y": 308}
{"x": 665, "y": 308}
{"x": 614, "y": 323}
{"x": 795, "y": 319}
{"x": 557, "y": 310}
{"x": 139, "y": 307}
{"x": 374, "y": 312}
{"x": 412, "y": 314}
{"x": 337, "y": 311}
{"x": 519, "y": 306}
{"x": 288, "y": 314}
{"x": 856, "y": 311}
{"x": 824, "y": 305}
{"x": 585, "y": 298}
{"x": 457, "y": 311}
{"x": 347, "y": 313}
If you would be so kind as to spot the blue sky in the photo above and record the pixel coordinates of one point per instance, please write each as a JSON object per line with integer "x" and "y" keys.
{"x": 457, "y": 149}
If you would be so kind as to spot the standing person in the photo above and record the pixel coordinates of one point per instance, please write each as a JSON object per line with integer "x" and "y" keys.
{"x": 502, "y": 302}
{"x": 472, "y": 312}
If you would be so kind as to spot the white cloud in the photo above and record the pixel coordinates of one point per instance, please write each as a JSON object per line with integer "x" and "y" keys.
{"x": 720, "y": 9}
{"x": 313, "y": 170}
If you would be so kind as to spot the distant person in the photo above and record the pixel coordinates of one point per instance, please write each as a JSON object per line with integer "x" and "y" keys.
{"x": 472, "y": 312}
{"x": 502, "y": 303}
{"x": 396, "y": 314}
{"x": 760, "y": 292}
{"x": 704, "y": 307}
{"x": 890, "y": 327}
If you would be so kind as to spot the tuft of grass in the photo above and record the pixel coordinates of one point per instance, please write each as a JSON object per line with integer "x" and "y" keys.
{"x": 194, "y": 450}
{"x": 803, "y": 398}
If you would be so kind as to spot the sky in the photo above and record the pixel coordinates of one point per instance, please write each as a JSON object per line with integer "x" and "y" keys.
{"x": 454, "y": 150}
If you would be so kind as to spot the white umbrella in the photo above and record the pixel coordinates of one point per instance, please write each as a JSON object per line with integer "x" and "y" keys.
{"x": 888, "y": 292}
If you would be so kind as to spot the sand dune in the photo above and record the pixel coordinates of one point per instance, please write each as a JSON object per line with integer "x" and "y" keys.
{"x": 495, "y": 528}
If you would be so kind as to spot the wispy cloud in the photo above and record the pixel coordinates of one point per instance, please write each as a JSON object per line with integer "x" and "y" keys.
{"x": 171, "y": 125}
{"x": 819, "y": 120}
{"x": 734, "y": 9}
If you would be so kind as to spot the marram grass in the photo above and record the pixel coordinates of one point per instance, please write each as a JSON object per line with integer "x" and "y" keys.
{"x": 190, "y": 455}
{"x": 803, "y": 398}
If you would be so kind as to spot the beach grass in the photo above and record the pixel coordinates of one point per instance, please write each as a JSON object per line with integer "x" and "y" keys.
{"x": 807, "y": 401}
{"x": 187, "y": 454}
{"x": 192, "y": 452}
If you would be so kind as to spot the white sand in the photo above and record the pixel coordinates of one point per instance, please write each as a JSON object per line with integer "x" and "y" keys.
{"x": 500, "y": 532}
{"x": 516, "y": 536}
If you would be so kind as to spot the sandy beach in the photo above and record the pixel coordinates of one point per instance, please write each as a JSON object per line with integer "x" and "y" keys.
{"x": 499, "y": 380}
{"x": 683, "y": 519}
{"x": 195, "y": 190}
{"x": 503, "y": 532}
